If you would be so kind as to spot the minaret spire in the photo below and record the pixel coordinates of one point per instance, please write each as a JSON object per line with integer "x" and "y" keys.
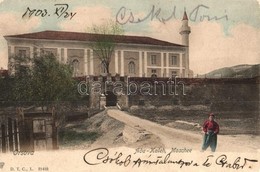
{"x": 185, "y": 17}
{"x": 185, "y": 29}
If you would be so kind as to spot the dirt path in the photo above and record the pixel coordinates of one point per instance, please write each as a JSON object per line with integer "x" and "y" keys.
{"x": 171, "y": 137}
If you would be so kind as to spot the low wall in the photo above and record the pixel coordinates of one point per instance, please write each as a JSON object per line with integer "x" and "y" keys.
{"x": 219, "y": 94}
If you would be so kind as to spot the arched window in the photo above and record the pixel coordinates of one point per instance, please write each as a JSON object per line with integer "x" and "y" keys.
{"x": 103, "y": 67}
{"x": 174, "y": 74}
{"x": 75, "y": 66}
{"x": 154, "y": 76}
{"x": 154, "y": 73}
{"x": 131, "y": 67}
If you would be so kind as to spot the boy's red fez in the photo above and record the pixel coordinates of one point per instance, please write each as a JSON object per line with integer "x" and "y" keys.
{"x": 211, "y": 114}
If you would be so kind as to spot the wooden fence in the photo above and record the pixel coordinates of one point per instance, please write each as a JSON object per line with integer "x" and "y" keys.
{"x": 30, "y": 131}
{"x": 9, "y": 135}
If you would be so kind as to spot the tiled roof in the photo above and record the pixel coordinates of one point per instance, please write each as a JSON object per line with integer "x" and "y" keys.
{"x": 78, "y": 36}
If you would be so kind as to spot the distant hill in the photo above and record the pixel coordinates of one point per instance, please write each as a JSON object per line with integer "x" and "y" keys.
{"x": 239, "y": 71}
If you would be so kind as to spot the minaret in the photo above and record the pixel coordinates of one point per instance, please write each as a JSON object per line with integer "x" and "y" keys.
{"x": 185, "y": 30}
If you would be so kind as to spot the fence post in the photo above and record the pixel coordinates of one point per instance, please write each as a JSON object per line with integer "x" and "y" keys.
{"x": 54, "y": 137}
{"x": 15, "y": 136}
{"x": 54, "y": 131}
{"x": 10, "y": 134}
{"x": 3, "y": 138}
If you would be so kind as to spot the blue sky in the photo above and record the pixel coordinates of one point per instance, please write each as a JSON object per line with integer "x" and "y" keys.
{"x": 219, "y": 43}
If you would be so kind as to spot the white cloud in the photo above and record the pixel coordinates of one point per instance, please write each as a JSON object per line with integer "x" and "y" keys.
{"x": 11, "y": 25}
{"x": 209, "y": 48}
{"x": 85, "y": 18}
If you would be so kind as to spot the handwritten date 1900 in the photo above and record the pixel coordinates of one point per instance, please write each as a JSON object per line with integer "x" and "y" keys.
{"x": 61, "y": 10}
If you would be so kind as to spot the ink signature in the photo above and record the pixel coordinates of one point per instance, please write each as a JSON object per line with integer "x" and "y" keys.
{"x": 239, "y": 162}
{"x": 125, "y": 15}
{"x": 60, "y": 11}
{"x": 102, "y": 156}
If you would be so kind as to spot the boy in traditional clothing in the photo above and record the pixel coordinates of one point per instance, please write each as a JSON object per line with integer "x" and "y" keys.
{"x": 211, "y": 129}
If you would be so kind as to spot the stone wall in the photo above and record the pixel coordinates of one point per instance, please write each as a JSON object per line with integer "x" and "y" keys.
{"x": 219, "y": 94}
{"x": 229, "y": 94}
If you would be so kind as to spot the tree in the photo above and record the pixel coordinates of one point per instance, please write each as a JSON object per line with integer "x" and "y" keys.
{"x": 42, "y": 81}
{"x": 5, "y": 90}
{"x": 105, "y": 41}
{"x": 21, "y": 82}
{"x": 52, "y": 81}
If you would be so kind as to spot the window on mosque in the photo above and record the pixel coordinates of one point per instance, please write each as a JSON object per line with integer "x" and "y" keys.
{"x": 103, "y": 67}
{"x": 153, "y": 59}
{"x": 154, "y": 73}
{"x": 22, "y": 53}
{"x": 174, "y": 74}
{"x": 23, "y": 57}
{"x": 131, "y": 67}
{"x": 75, "y": 66}
{"x": 174, "y": 60}
{"x": 48, "y": 52}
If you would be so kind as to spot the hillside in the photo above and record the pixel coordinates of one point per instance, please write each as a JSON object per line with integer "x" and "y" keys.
{"x": 239, "y": 71}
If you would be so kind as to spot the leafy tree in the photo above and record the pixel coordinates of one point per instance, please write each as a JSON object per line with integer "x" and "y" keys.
{"x": 5, "y": 91}
{"x": 52, "y": 81}
{"x": 41, "y": 81}
{"x": 21, "y": 83}
{"x": 105, "y": 41}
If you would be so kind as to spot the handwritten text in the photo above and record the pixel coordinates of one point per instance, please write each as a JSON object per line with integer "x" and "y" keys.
{"x": 60, "y": 11}
{"x": 199, "y": 13}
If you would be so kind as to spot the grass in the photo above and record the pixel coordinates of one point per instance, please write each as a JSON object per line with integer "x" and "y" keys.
{"x": 68, "y": 137}
{"x": 241, "y": 122}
